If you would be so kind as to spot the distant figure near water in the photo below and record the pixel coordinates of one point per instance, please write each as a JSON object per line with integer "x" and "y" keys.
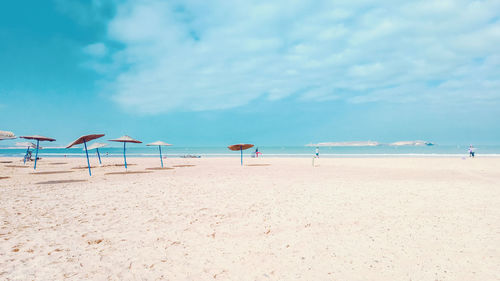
{"x": 28, "y": 156}
{"x": 471, "y": 151}
{"x": 317, "y": 152}
{"x": 257, "y": 152}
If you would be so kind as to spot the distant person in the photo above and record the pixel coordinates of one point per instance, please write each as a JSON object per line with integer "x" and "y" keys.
{"x": 317, "y": 152}
{"x": 471, "y": 151}
{"x": 28, "y": 156}
{"x": 257, "y": 152}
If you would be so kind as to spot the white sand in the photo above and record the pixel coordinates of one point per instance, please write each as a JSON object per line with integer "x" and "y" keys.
{"x": 347, "y": 219}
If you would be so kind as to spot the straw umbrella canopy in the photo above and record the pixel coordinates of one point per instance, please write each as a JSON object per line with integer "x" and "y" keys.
{"x": 38, "y": 139}
{"x": 125, "y": 139}
{"x": 96, "y": 146}
{"x": 6, "y": 135}
{"x": 26, "y": 144}
{"x": 84, "y": 140}
{"x": 240, "y": 147}
{"x": 159, "y": 144}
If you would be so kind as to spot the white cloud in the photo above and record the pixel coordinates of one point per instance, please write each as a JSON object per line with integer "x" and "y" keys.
{"x": 198, "y": 55}
{"x": 96, "y": 49}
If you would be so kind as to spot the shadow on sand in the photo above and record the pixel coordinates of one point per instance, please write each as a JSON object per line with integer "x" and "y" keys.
{"x": 82, "y": 167}
{"x": 127, "y": 173}
{"x": 119, "y": 165}
{"x": 51, "y": 172}
{"x": 60, "y": 181}
{"x": 158, "y": 168}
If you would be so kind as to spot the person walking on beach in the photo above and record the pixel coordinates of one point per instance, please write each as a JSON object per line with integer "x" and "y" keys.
{"x": 317, "y": 152}
{"x": 471, "y": 151}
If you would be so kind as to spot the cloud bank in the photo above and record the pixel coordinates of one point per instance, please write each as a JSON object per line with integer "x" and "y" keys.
{"x": 208, "y": 55}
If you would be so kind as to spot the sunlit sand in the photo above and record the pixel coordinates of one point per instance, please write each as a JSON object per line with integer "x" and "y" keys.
{"x": 273, "y": 219}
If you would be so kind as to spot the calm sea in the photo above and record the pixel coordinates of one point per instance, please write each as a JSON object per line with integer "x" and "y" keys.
{"x": 271, "y": 151}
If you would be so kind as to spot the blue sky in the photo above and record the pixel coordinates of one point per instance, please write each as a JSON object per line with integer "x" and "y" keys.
{"x": 268, "y": 72}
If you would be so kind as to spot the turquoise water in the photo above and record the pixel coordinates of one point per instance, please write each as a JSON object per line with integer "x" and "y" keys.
{"x": 270, "y": 151}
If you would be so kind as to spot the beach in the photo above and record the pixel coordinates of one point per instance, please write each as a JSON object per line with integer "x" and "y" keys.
{"x": 272, "y": 219}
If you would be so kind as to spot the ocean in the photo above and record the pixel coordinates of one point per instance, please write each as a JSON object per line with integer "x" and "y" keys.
{"x": 270, "y": 151}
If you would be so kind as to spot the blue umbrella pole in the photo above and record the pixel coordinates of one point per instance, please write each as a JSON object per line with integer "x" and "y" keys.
{"x": 124, "y": 157}
{"x": 161, "y": 159}
{"x": 26, "y": 155}
{"x": 98, "y": 156}
{"x": 87, "y": 153}
{"x": 241, "y": 149}
{"x": 36, "y": 154}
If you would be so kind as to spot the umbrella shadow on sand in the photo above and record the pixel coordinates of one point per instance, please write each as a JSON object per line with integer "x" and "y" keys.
{"x": 126, "y": 173}
{"x": 51, "y": 172}
{"x": 81, "y": 168}
{"x": 159, "y": 168}
{"x": 108, "y": 165}
{"x": 17, "y": 166}
{"x": 60, "y": 181}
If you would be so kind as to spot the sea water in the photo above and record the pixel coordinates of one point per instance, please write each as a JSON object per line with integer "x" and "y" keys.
{"x": 269, "y": 151}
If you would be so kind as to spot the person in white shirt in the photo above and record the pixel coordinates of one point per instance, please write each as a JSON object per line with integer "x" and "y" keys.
{"x": 471, "y": 151}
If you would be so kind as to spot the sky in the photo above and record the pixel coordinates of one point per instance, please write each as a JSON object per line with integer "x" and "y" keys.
{"x": 210, "y": 73}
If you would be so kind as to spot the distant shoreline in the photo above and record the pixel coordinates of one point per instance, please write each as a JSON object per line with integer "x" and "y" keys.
{"x": 274, "y": 156}
{"x": 271, "y": 151}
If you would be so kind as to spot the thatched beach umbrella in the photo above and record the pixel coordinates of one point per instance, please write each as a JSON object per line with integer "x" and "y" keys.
{"x": 38, "y": 139}
{"x": 125, "y": 139}
{"x": 26, "y": 144}
{"x": 159, "y": 144}
{"x": 84, "y": 140}
{"x": 240, "y": 147}
{"x": 96, "y": 146}
{"x": 6, "y": 135}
